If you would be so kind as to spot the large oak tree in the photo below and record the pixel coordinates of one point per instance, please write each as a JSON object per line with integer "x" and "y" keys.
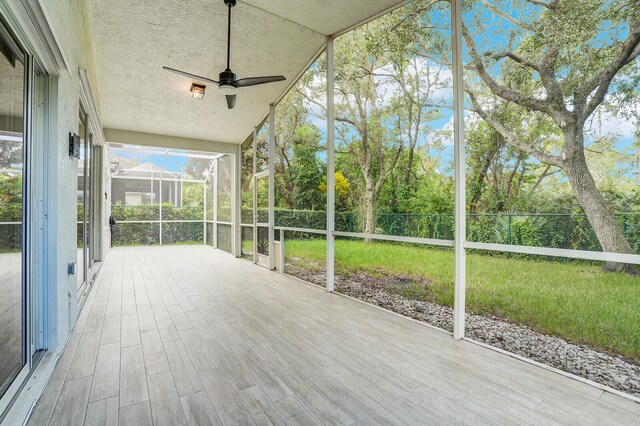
{"x": 555, "y": 62}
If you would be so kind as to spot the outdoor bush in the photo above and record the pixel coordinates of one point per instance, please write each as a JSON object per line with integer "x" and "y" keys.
{"x": 131, "y": 234}
{"x": 148, "y": 233}
{"x": 525, "y": 231}
{"x": 10, "y": 235}
{"x": 131, "y": 213}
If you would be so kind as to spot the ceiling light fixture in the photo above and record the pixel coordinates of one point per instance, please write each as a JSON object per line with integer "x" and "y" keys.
{"x": 228, "y": 90}
{"x": 197, "y": 90}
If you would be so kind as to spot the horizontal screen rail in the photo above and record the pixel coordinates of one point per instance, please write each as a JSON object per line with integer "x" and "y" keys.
{"x": 396, "y": 238}
{"x": 157, "y": 178}
{"x": 302, "y": 230}
{"x": 156, "y": 221}
{"x": 554, "y": 252}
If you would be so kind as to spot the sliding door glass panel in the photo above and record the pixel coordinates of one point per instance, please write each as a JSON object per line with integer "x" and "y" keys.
{"x": 82, "y": 202}
{"x": 12, "y": 75}
{"x": 89, "y": 215}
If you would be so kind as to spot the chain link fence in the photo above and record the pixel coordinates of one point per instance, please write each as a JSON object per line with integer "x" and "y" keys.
{"x": 141, "y": 225}
{"x": 564, "y": 231}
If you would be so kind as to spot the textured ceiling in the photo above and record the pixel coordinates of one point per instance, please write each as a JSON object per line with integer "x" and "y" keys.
{"x": 134, "y": 39}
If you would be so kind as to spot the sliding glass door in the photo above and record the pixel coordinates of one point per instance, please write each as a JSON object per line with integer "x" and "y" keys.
{"x": 86, "y": 203}
{"x": 13, "y": 271}
{"x": 81, "y": 261}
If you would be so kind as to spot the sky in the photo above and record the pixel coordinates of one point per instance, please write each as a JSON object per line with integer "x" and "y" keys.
{"x": 173, "y": 164}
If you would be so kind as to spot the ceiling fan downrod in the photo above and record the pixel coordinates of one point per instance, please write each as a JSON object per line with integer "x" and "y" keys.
{"x": 230, "y": 4}
{"x": 228, "y": 83}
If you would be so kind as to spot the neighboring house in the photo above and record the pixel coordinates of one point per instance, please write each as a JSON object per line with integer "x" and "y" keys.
{"x": 134, "y": 184}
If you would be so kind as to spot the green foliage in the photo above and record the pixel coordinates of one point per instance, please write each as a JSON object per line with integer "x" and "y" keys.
{"x": 307, "y": 171}
{"x": 10, "y": 188}
{"x": 149, "y": 233}
{"x": 192, "y": 194}
{"x": 10, "y": 235}
{"x": 198, "y": 168}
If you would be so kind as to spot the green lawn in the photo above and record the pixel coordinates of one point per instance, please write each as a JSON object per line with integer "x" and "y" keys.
{"x": 572, "y": 300}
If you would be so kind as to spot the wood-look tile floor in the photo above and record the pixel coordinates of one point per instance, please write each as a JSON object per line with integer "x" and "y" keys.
{"x": 189, "y": 335}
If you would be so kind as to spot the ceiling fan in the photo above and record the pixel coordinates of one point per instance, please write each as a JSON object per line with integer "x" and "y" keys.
{"x": 228, "y": 82}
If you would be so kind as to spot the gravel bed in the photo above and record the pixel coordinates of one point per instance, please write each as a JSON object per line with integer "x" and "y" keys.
{"x": 604, "y": 368}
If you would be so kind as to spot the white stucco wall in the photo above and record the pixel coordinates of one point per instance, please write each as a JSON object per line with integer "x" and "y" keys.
{"x": 70, "y": 25}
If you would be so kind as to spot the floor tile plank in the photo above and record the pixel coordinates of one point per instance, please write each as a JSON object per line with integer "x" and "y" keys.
{"x": 166, "y": 408}
{"x": 133, "y": 379}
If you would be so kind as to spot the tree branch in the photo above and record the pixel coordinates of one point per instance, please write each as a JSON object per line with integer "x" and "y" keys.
{"x": 498, "y": 89}
{"x": 517, "y": 58}
{"x": 506, "y": 16}
{"x": 602, "y": 80}
{"x": 511, "y": 138}
{"x": 549, "y": 5}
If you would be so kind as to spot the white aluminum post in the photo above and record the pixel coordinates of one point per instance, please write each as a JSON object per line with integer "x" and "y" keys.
{"x": 215, "y": 203}
{"x": 330, "y": 166}
{"x": 272, "y": 151}
{"x": 281, "y": 265}
{"x": 459, "y": 162}
{"x": 204, "y": 214}
{"x": 164, "y": 163}
{"x": 236, "y": 202}
{"x": 151, "y": 193}
{"x": 255, "y": 196}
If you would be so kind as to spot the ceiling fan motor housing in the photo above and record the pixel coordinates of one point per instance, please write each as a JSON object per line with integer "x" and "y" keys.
{"x": 227, "y": 78}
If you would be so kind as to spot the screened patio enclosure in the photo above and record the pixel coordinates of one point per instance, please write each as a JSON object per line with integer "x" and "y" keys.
{"x": 430, "y": 214}
{"x": 324, "y": 188}
{"x": 170, "y": 196}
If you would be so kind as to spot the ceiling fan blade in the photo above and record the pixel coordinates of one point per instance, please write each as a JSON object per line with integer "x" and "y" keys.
{"x": 231, "y": 101}
{"x": 188, "y": 74}
{"x": 254, "y": 81}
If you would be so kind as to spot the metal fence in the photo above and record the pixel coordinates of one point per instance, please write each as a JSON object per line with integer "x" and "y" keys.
{"x": 564, "y": 231}
{"x": 146, "y": 225}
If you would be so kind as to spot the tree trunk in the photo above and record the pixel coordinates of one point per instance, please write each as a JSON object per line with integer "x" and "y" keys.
{"x": 604, "y": 224}
{"x": 369, "y": 209}
{"x": 407, "y": 176}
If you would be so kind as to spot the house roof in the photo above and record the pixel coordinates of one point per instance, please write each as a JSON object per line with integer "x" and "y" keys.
{"x": 147, "y": 169}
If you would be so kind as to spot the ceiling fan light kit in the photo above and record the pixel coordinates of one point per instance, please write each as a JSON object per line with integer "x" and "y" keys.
{"x": 227, "y": 82}
{"x": 228, "y": 90}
